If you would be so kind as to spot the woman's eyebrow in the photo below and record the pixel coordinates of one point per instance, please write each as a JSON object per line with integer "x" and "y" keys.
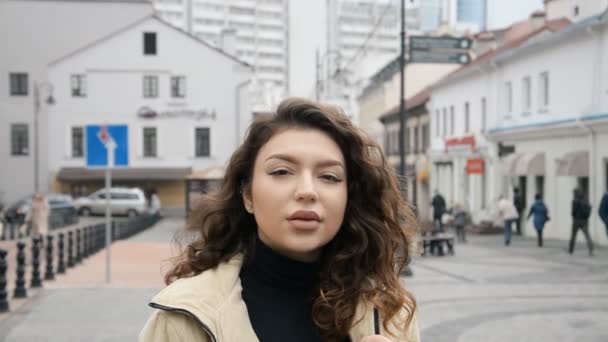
{"x": 293, "y": 160}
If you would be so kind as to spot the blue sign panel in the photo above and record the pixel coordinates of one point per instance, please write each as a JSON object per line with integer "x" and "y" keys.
{"x": 98, "y": 135}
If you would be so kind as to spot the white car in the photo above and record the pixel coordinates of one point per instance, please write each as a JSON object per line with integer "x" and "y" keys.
{"x": 123, "y": 201}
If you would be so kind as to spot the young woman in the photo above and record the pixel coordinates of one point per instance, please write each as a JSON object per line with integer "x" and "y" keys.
{"x": 304, "y": 241}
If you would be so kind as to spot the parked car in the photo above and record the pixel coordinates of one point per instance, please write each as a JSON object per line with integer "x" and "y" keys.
{"x": 123, "y": 201}
{"x": 62, "y": 210}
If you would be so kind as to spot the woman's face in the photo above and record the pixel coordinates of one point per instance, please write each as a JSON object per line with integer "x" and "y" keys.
{"x": 298, "y": 192}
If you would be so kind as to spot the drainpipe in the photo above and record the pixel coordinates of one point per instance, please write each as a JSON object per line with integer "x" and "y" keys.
{"x": 237, "y": 106}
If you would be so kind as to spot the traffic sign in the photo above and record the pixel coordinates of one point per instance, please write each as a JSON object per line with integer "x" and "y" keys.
{"x": 100, "y": 138}
{"x": 439, "y": 43}
{"x": 439, "y": 57}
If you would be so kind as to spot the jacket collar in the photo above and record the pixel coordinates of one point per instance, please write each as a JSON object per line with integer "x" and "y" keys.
{"x": 213, "y": 298}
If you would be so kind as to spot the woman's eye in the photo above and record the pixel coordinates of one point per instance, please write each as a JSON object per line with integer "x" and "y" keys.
{"x": 281, "y": 172}
{"x": 331, "y": 178}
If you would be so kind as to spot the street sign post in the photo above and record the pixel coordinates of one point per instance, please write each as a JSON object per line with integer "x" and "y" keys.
{"x": 107, "y": 147}
{"x": 443, "y": 50}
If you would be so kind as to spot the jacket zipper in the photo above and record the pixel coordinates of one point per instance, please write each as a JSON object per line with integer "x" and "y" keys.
{"x": 376, "y": 322}
{"x": 202, "y": 325}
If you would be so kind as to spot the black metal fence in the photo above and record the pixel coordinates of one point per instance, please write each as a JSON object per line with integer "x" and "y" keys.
{"x": 72, "y": 246}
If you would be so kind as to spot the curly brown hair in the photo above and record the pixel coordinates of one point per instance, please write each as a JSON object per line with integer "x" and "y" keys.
{"x": 364, "y": 259}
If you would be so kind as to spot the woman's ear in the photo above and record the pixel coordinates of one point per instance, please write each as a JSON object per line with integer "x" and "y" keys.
{"x": 246, "y": 196}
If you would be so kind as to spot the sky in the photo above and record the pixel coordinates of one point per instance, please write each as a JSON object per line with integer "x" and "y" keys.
{"x": 502, "y": 13}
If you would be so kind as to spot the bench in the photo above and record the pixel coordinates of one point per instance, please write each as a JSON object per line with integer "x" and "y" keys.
{"x": 436, "y": 242}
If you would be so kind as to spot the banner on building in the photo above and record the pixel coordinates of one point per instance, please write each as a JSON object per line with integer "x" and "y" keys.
{"x": 475, "y": 166}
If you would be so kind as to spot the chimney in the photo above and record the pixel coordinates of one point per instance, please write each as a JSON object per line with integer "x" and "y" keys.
{"x": 228, "y": 41}
{"x": 538, "y": 20}
{"x": 484, "y": 42}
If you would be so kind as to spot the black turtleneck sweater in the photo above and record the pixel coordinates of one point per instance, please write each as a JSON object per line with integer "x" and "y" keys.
{"x": 278, "y": 294}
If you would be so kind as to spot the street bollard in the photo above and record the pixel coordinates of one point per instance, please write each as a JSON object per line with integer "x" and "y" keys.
{"x": 20, "y": 291}
{"x": 70, "y": 249}
{"x": 61, "y": 263}
{"x": 85, "y": 242}
{"x": 36, "y": 281}
{"x": 3, "y": 294}
{"x": 49, "y": 275}
{"x": 78, "y": 258}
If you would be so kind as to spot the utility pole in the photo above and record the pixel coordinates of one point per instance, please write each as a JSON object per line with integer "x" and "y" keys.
{"x": 402, "y": 112}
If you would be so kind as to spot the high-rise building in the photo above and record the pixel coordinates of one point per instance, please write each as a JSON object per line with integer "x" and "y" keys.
{"x": 472, "y": 12}
{"x": 260, "y": 28}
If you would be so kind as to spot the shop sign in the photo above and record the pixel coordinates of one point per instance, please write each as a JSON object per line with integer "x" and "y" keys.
{"x": 475, "y": 166}
{"x": 464, "y": 144}
{"x": 193, "y": 114}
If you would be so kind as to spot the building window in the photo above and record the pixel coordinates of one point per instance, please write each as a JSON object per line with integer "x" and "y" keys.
{"x": 509, "y": 98}
{"x": 79, "y": 85}
{"x": 526, "y": 88}
{"x": 425, "y": 138}
{"x": 19, "y": 140}
{"x": 543, "y": 86}
{"x": 416, "y": 142}
{"x": 149, "y": 135}
{"x": 149, "y": 43}
{"x": 202, "y": 142}
{"x": 484, "y": 114}
{"x": 577, "y": 11}
{"x": 437, "y": 123}
{"x": 18, "y": 83}
{"x": 445, "y": 122}
{"x": 150, "y": 86}
{"x": 452, "y": 120}
{"x": 77, "y": 142}
{"x": 467, "y": 118}
{"x": 178, "y": 86}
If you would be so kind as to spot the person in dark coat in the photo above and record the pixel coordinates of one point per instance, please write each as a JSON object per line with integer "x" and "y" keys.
{"x": 518, "y": 202}
{"x": 439, "y": 208}
{"x": 581, "y": 210}
{"x": 540, "y": 215}
{"x": 603, "y": 210}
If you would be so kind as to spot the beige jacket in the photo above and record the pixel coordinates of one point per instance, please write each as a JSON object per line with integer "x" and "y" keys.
{"x": 209, "y": 308}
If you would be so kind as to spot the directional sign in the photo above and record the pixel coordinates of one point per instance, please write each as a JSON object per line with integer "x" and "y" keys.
{"x": 439, "y": 57}
{"x": 100, "y": 137}
{"x": 439, "y": 43}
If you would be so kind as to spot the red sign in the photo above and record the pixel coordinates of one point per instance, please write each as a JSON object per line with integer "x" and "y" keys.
{"x": 475, "y": 166}
{"x": 465, "y": 144}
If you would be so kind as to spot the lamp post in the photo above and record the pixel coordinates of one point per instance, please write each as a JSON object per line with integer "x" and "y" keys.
{"x": 38, "y": 86}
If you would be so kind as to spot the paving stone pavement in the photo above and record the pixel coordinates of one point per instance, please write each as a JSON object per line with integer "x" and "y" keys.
{"x": 489, "y": 292}
{"x": 486, "y": 292}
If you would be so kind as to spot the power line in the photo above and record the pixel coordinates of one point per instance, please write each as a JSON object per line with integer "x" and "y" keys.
{"x": 368, "y": 38}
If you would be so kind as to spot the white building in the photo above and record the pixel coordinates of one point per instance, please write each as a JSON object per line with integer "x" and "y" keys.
{"x": 465, "y": 165}
{"x": 184, "y": 103}
{"x": 30, "y": 39}
{"x": 537, "y": 106}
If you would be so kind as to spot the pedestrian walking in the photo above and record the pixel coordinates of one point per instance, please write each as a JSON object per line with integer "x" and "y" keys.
{"x": 155, "y": 205}
{"x": 507, "y": 213}
{"x": 299, "y": 243}
{"x": 581, "y": 211}
{"x": 38, "y": 217}
{"x": 603, "y": 210}
{"x": 518, "y": 202}
{"x": 540, "y": 215}
{"x": 439, "y": 208}
{"x": 461, "y": 216}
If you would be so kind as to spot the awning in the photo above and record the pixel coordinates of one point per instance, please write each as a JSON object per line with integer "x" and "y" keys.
{"x": 530, "y": 163}
{"x": 124, "y": 174}
{"x": 574, "y": 164}
{"x": 509, "y": 163}
{"x": 216, "y": 172}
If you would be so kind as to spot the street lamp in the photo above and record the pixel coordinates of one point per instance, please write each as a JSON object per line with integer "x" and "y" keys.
{"x": 38, "y": 86}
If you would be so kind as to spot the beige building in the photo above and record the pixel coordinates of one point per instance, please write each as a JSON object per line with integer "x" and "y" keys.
{"x": 416, "y": 146}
